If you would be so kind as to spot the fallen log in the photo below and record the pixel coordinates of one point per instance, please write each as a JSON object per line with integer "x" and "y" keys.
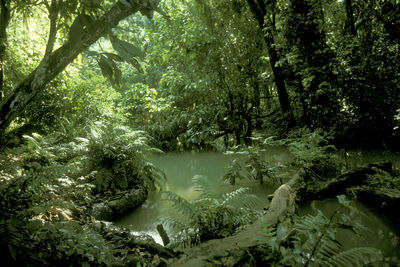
{"x": 338, "y": 185}
{"x": 111, "y": 210}
{"x": 232, "y": 250}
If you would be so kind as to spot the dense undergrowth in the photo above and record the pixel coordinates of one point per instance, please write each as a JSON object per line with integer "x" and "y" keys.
{"x": 49, "y": 184}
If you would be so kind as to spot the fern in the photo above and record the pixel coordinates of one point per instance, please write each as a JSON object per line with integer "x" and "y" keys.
{"x": 353, "y": 257}
{"x": 11, "y": 236}
{"x": 313, "y": 243}
{"x": 211, "y": 216}
{"x": 180, "y": 204}
{"x": 203, "y": 185}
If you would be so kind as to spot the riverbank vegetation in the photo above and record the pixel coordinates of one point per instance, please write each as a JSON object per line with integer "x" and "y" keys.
{"x": 90, "y": 89}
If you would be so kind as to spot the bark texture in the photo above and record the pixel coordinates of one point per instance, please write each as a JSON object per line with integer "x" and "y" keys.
{"x": 259, "y": 10}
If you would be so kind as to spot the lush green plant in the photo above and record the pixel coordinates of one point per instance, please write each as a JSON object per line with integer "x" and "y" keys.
{"x": 48, "y": 186}
{"x": 383, "y": 179}
{"x": 311, "y": 150}
{"x": 234, "y": 172}
{"x": 115, "y": 158}
{"x": 211, "y": 216}
{"x": 69, "y": 241}
{"x": 256, "y": 165}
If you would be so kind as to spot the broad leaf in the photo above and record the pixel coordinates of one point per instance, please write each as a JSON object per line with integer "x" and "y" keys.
{"x": 126, "y": 50}
{"x": 106, "y": 66}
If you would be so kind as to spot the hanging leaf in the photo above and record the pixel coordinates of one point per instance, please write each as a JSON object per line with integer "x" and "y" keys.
{"x": 134, "y": 62}
{"x": 88, "y": 22}
{"x": 117, "y": 76}
{"x": 106, "y": 66}
{"x": 81, "y": 22}
{"x": 125, "y": 3}
{"x": 126, "y": 50}
{"x": 113, "y": 56}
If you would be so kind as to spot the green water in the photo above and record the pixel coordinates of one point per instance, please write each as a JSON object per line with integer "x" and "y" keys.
{"x": 181, "y": 167}
{"x": 374, "y": 231}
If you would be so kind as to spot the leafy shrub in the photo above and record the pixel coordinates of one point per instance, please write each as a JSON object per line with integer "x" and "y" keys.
{"x": 311, "y": 150}
{"x": 116, "y": 158}
{"x": 47, "y": 184}
{"x": 256, "y": 166}
{"x": 56, "y": 243}
{"x": 383, "y": 179}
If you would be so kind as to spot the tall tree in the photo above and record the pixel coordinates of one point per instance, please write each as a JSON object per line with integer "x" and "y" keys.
{"x": 307, "y": 40}
{"x": 350, "y": 24}
{"x": 267, "y": 25}
{"x": 4, "y": 21}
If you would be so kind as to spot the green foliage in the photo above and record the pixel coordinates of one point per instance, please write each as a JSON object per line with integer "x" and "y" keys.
{"x": 116, "y": 158}
{"x": 382, "y": 179}
{"x": 256, "y": 165}
{"x": 211, "y": 216}
{"x": 58, "y": 242}
{"x": 311, "y": 150}
{"x": 311, "y": 242}
{"x": 234, "y": 171}
{"x": 49, "y": 185}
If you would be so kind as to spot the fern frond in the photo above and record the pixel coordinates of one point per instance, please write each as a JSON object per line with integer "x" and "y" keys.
{"x": 203, "y": 185}
{"x": 170, "y": 222}
{"x": 234, "y": 198}
{"x": 181, "y": 204}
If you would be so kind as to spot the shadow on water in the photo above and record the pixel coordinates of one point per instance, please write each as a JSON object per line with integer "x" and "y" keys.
{"x": 376, "y": 232}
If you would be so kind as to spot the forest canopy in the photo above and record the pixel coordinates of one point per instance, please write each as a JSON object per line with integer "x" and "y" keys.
{"x": 201, "y": 70}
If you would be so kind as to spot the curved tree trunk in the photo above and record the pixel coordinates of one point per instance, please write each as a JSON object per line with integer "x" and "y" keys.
{"x": 55, "y": 62}
{"x": 109, "y": 211}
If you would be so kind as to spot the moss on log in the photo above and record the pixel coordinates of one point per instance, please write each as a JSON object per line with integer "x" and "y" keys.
{"x": 111, "y": 210}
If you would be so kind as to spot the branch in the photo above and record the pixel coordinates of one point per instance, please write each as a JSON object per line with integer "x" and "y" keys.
{"x": 53, "y": 16}
{"x": 58, "y": 60}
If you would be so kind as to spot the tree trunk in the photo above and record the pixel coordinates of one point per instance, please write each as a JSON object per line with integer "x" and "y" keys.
{"x": 56, "y": 62}
{"x": 4, "y": 20}
{"x": 230, "y": 251}
{"x": 304, "y": 32}
{"x": 259, "y": 11}
{"x": 350, "y": 26}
